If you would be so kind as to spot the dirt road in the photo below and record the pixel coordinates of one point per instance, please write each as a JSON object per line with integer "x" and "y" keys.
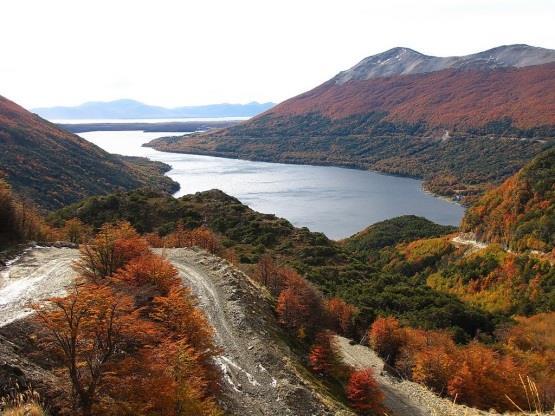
{"x": 401, "y": 397}
{"x": 37, "y": 274}
{"x": 259, "y": 372}
{"x": 261, "y": 376}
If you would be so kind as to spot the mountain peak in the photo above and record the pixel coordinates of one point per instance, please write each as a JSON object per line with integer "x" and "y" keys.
{"x": 406, "y": 61}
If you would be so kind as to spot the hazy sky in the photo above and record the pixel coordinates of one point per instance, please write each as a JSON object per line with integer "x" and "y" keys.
{"x": 64, "y": 52}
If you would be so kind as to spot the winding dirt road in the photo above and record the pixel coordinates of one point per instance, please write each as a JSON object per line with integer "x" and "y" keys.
{"x": 258, "y": 369}
{"x": 261, "y": 376}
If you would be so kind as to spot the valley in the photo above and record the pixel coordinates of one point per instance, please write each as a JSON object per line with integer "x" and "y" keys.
{"x": 381, "y": 242}
{"x": 342, "y": 201}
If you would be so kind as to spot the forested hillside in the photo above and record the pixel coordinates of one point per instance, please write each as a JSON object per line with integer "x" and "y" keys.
{"x": 519, "y": 214}
{"x": 247, "y": 236}
{"x": 52, "y": 167}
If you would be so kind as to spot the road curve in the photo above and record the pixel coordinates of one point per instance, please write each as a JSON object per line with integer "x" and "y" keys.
{"x": 260, "y": 373}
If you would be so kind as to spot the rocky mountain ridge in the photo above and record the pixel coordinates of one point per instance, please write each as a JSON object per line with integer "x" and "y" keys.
{"x": 406, "y": 61}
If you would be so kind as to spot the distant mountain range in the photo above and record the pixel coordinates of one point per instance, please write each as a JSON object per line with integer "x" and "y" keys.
{"x": 459, "y": 122}
{"x": 52, "y": 167}
{"x": 132, "y": 109}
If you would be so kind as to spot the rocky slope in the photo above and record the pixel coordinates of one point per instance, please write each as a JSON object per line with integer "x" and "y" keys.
{"x": 405, "y": 61}
{"x": 52, "y": 167}
{"x": 458, "y": 122}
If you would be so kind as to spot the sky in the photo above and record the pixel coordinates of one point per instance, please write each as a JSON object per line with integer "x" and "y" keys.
{"x": 174, "y": 53}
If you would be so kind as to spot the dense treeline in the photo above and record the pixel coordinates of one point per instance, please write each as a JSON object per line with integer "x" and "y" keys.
{"x": 519, "y": 214}
{"x": 462, "y": 165}
{"x": 246, "y": 236}
{"x": 19, "y": 221}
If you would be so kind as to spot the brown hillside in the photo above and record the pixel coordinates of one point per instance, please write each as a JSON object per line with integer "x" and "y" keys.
{"x": 52, "y": 167}
{"x": 448, "y": 98}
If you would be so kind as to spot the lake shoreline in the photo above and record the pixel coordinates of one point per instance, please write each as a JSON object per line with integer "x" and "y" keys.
{"x": 336, "y": 200}
{"x": 346, "y": 165}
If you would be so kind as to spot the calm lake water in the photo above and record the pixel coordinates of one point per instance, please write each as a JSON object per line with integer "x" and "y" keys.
{"x": 336, "y": 201}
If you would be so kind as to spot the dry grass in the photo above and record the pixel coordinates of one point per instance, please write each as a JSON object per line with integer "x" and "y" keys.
{"x": 26, "y": 403}
{"x": 535, "y": 405}
{"x": 28, "y": 409}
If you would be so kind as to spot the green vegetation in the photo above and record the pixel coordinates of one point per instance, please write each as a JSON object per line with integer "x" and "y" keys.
{"x": 460, "y": 166}
{"x": 393, "y": 231}
{"x": 328, "y": 264}
{"x": 497, "y": 281}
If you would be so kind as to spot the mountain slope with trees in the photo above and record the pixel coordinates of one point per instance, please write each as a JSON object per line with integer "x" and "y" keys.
{"x": 459, "y": 124}
{"x": 519, "y": 214}
{"x": 52, "y": 167}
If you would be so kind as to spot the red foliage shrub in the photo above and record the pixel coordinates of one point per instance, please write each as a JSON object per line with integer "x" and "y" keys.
{"x": 341, "y": 315}
{"x": 149, "y": 269}
{"x": 363, "y": 392}
{"x": 387, "y": 338}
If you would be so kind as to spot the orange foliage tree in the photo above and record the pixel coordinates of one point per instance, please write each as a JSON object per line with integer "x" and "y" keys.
{"x": 87, "y": 328}
{"x": 363, "y": 392}
{"x": 486, "y": 379}
{"x": 265, "y": 270}
{"x": 386, "y": 338}
{"x": 531, "y": 342}
{"x": 323, "y": 356}
{"x": 19, "y": 220}
{"x": 110, "y": 249}
{"x": 181, "y": 237}
{"x": 75, "y": 231}
{"x": 299, "y": 306}
{"x": 341, "y": 315}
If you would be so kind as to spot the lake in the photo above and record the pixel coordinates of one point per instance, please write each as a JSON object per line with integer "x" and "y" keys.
{"x": 336, "y": 201}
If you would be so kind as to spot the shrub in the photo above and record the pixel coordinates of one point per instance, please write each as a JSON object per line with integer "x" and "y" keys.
{"x": 111, "y": 249}
{"x": 363, "y": 392}
{"x": 387, "y": 338}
